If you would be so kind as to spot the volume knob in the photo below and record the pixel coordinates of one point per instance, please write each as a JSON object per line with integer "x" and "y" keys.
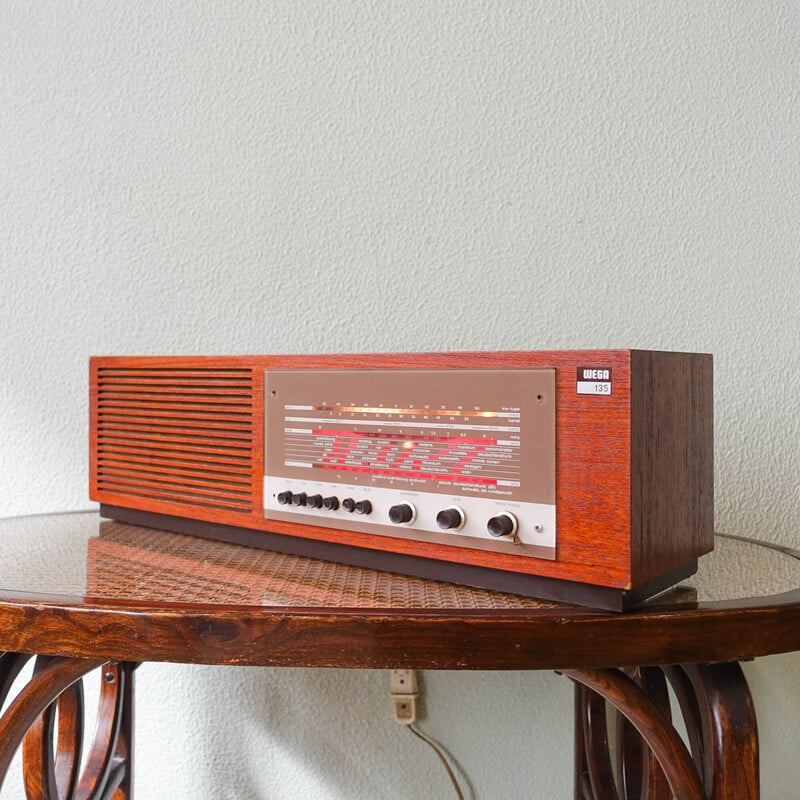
{"x": 451, "y": 519}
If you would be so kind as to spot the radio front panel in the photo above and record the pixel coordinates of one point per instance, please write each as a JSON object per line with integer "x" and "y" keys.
{"x": 459, "y": 458}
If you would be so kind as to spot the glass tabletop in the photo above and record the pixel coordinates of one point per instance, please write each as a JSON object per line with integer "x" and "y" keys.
{"x": 83, "y": 558}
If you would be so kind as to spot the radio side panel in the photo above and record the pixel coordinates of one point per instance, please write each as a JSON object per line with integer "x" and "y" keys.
{"x": 672, "y": 444}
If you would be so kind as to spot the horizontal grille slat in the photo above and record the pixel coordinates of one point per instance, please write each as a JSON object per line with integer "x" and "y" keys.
{"x": 170, "y": 380}
{"x": 172, "y": 373}
{"x": 187, "y": 415}
{"x": 160, "y": 435}
{"x": 175, "y": 445}
{"x": 234, "y": 486}
{"x": 186, "y": 426}
{"x": 224, "y": 472}
{"x": 179, "y": 435}
{"x": 175, "y": 395}
{"x": 206, "y": 502}
{"x": 196, "y": 406}
{"x": 180, "y": 487}
{"x": 167, "y": 455}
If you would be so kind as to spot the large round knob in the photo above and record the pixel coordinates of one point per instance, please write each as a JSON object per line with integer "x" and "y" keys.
{"x": 299, "y": 499}
{"x": 504, "y": 524}
{"x": 450, "y": 519}
{"x": 314, "y": 501}
{"x": 403, "y": 512}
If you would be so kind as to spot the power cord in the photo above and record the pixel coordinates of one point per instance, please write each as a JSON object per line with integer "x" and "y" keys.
{"x": 440, "y": 752}
{"x": 405, "y": 704}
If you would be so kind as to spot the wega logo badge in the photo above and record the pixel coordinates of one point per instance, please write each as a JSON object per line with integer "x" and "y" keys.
{"x": 594, "y": 380}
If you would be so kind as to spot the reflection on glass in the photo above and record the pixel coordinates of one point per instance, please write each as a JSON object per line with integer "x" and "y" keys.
{"x": 79, "y": 556}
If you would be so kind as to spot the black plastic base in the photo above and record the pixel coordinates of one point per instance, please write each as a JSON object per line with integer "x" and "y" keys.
{"x": 584, "y": 594}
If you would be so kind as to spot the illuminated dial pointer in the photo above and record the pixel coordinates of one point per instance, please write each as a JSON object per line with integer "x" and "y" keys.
{"x": 403, "y": 512}
{"x": 451, "y": 519}
{"x": 504, "y": 524}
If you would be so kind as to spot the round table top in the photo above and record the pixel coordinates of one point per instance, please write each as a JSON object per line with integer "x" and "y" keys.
{"x": 77, "y": 585}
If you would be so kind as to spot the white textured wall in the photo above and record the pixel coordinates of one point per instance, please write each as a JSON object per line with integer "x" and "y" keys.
{"x": 204, "y": 177}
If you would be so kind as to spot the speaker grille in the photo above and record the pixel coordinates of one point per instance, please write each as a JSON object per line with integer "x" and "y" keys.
{"x": 176, "y": 435}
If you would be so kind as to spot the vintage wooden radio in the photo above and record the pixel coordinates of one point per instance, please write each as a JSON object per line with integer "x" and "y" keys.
{"x": 584, "y": 476}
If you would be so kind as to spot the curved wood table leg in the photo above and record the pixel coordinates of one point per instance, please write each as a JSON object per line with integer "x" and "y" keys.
{"x": 719, "y": 717}
{"x": 654, "y": 728}
{"x": 599, "y": 770}
{"x": 108, "y": 767}
{"x": 52, "y": 750}
{"x": 723, "y": 715}
{"x": 640, "y": 776}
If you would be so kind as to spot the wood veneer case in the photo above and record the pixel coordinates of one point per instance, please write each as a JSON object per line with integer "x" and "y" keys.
{"x": 179, "y": 443}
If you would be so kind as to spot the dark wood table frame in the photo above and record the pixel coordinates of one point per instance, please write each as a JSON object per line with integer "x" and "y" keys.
{"x": 620, "y": 661}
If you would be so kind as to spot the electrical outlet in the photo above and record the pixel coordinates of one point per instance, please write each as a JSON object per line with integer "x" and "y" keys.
{"x": 405, "y": 695}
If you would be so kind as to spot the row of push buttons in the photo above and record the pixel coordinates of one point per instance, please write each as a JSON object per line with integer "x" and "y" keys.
{"x": 328, "y": 503}
{"x": 450, "y": 518}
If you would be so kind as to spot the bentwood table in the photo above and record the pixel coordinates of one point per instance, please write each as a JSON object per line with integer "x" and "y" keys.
{"x": 84, "y": 594}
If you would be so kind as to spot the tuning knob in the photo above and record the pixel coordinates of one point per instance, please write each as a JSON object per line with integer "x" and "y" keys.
{"x": 451, "y": 519}
{"x": 504, "y": 524}
{"x": 403, "y": 512}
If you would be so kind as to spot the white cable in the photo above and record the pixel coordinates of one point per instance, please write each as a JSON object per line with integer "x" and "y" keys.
{"x": 440, "y": 752}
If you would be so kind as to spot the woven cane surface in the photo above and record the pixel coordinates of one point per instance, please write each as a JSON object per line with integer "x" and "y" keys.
{"x": 83, "y": 557}
{"x": 154, "y": 565}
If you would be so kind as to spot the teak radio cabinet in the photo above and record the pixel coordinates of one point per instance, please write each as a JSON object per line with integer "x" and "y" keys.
{"x": 184, "y": 444}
